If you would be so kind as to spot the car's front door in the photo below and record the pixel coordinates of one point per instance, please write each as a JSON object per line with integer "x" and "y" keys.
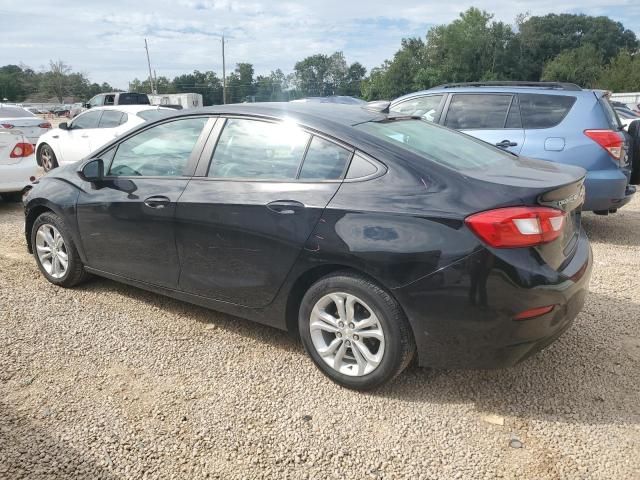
{"x": 75, "y": 142}
{"x": 244, "y": 221}
{"x": 126, "y": 221}
{"x": 492, "y": 117}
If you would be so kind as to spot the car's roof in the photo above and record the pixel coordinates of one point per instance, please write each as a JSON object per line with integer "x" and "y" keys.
{"x": 128, "y": 108}
{"x": 497, "y": 89}
{"x": 308, "y": 113}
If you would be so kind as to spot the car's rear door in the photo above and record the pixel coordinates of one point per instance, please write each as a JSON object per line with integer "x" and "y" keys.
{"x": 492, "y": 117}
{"x": 127, "y": 221}
{"x": 244, "y": 218}
{"x": 107, "y": 128}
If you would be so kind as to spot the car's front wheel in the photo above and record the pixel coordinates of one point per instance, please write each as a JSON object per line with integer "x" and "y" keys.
{"x": 55, "y": 252}
{"x": 46, "y": 158}
{"x": 355, "y": 331}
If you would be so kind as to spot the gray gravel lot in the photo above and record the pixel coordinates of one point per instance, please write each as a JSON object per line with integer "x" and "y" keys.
{"x": 107, "y": 381}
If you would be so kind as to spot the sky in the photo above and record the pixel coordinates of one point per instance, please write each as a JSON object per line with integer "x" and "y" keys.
{"x": 105, "y": 39}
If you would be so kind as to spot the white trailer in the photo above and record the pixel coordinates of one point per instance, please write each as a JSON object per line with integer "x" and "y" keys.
{"x": 185, "y": 100}
{"x": 632, "y": 99}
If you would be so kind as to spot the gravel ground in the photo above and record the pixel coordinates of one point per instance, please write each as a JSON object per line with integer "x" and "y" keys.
{"x": 107, "y": 381}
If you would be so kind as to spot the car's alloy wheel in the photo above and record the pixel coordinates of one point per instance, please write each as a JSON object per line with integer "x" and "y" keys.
{"x": 347, "y": 334}
{"x": 52, "y": 251}
{"x": 47, "y": 158}
{"x": 355, "y": 331}
{"x": 55, "y": 251}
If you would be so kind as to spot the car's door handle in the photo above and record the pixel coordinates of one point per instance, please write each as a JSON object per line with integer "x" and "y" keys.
{"x": 285, "y": 207}
{"x": 506, "y": 144}
{"x": 84, "y": 136}
{"x": 157, "y": 201}
{"x": 56, "y": 136}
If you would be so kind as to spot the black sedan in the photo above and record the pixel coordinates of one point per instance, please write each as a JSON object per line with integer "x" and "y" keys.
{"x": 376, "y": 237}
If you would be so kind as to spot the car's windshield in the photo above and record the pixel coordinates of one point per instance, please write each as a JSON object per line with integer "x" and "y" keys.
{"x": 14, "y": 112}
{"x": 444, "y": 146}
{"x": 154, "y": 114}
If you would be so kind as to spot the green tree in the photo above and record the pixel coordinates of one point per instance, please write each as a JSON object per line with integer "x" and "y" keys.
{"x": 399, "y": 75}
{"x": 622, "y": 74}
{"x": 582, "y": 66}
{"x": 57, "y": 80}
{"x": 544, "y": 38}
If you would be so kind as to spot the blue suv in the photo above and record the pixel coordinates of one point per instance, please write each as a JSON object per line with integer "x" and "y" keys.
{"x": 559, "y": 122}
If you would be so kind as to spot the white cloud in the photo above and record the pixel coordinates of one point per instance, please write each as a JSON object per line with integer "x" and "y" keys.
{"x": 106, "y": 39}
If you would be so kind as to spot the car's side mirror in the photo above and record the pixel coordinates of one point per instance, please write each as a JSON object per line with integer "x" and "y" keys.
{"x": 92, "y": 171}
{"x": 63, "y": 126}
{"x": 87, "y": 105}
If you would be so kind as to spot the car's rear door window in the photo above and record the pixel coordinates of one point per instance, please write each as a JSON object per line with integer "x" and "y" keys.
{"x": 542, "y": 110}
{"x": 160, "y": 151}
{"x": 324, "y": 161}
{"x": 110, "y": 119}
{"x": 259, "y": 150}
{"x": 478, "y": 111}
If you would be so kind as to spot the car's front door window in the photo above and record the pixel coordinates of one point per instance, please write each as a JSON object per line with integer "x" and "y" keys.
{"x": 162, "y": 150}
{"x": 426, "y": 107}
{"x": 86, "y": 120}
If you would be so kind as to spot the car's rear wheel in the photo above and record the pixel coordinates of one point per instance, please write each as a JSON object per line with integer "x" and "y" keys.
{"x": 55, "y": 252}
{"x": 355, "y": 331}
{"x": 47, "y": 158}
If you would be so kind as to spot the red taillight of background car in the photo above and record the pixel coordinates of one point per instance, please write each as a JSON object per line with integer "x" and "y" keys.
{"x": 45, "y": 125}
{"x": 610, "y": 140}
{"x": 22, "y": 150}
{"x": 6, "y": 125}
{"x": 514, "y": 227}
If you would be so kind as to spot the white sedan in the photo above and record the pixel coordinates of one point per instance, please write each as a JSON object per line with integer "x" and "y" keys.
{"x": 89, "y": 131}
{"x": 31, "y": 126}
{"x": 18, "y": 167}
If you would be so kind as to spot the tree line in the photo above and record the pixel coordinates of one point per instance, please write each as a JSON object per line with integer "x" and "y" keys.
{"x": 594, "y": 52}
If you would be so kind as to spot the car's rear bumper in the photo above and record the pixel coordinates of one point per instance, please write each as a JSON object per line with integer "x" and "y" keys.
{"x": 15, "y": 177}
{"x": 463, "y": 316}
{"x": 607, "y": 190}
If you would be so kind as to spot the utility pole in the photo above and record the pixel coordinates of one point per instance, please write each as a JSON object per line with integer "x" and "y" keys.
{"x": 224, "y": 75}
{"x": 146, "y": 47}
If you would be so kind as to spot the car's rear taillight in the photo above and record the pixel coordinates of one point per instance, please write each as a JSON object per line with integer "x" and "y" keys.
{"x": 610, "y": 140}
{"x": 22, "y": 150}
{"x": 514, "y": 227}
{"x": 45, "y": 125}
{"x": 6, "y": 125}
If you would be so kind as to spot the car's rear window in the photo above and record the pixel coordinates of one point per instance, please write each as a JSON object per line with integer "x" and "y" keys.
{"x": 544, "y": 111}
{"x": 446, "y": 147}
{"x": 612, "y": 116}
{"x": 14, "y": 112}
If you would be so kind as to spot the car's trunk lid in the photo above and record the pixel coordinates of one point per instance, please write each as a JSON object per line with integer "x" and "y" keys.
{"x": 30, "y": 127}
{"x": 8, "y": 140}
{"x": 537, "y": 182}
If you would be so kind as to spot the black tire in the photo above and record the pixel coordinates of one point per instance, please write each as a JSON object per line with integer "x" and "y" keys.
{"x": 399, "y": 342}
{"x": 75, "y": 272}
{"x": 634, "y": 153}
{"x": 47, "y": 158}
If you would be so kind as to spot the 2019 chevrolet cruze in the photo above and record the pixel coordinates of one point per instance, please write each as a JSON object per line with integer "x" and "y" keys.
{"x": 378, "y": 237}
